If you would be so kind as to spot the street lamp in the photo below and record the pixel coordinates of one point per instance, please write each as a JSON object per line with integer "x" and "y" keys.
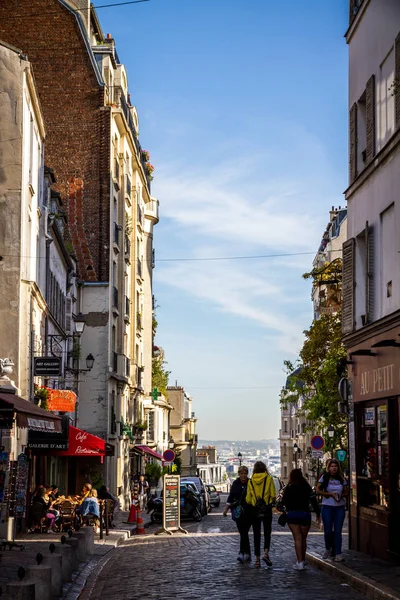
{"x": 331, "y": 433}
{"x": 240, "y": 459}
{"x": 171, "y": 443}
{"x": 295, "y": 450}
{"x": 79, "y": 321}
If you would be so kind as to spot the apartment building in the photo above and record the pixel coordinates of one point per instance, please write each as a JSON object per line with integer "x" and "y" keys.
{"x": 371, "y": 275}
{"x": 103, "y": 177}
{"x": 183, "y": 428}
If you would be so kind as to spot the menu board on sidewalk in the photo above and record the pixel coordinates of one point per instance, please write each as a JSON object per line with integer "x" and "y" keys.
{"x": 171, "y": 503}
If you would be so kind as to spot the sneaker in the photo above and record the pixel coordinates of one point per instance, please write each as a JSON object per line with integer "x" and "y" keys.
{"x": 50, "y": 531}
{"x": 267, "y": 560}
{"x": 246, "y": 557}
{"x": 326, "y": 554}
{"x": 339, "y": 558}
{"x": 300, "y": 566}
{"x": 240, "y": 557}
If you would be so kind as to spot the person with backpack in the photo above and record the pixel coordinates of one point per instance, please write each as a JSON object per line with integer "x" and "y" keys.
{"x": 297, "y": 497}
{"x": 260, "y": 496}
{"x": 240, "y": 512}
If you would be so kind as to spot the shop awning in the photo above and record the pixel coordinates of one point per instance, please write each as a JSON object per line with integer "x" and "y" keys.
{"x": 150, "y": 452}
{"x": 29, "y": 415}
{"x": 83, "y": 443}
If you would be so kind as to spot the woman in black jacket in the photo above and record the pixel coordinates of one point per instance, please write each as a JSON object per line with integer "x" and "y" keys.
{"x": 237, "y": 498}
{"x": 296, "y": 499}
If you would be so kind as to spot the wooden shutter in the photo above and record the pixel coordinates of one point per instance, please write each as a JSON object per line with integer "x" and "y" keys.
{"x": 397, "y": 81}
{"x": 369, "y": 273}
{"x": 353, "y": 143}
{"x": 348, "y": 283}
{"x": 370, "y": 118}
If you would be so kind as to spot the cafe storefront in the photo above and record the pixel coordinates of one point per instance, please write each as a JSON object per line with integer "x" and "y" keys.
{"x": 374, "y": 432}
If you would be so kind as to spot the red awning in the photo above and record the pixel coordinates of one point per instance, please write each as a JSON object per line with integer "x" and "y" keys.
{"x": 150, "y": 452}
{"x": 82, "y": 443}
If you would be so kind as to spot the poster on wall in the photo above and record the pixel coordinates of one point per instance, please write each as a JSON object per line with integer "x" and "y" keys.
{"x": 369, "y": 416}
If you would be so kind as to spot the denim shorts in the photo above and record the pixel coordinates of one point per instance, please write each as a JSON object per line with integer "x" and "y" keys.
{"x": 298, "y": 517}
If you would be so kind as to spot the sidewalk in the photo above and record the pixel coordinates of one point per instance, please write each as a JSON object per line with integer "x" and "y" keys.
{"x": 376, "y": 579}
{"x": 11, "y": 560}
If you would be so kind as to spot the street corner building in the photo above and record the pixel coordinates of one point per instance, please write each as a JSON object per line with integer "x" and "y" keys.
{"x": 371, "y": 277}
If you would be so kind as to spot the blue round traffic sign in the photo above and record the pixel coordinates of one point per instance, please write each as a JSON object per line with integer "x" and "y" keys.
{"x": 317, "y": 442}
{"x": 169, "y": 456}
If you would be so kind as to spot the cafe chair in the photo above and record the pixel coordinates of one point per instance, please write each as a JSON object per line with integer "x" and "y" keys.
{"x": 38, "y": 514}
{"x": 67, "y": 515}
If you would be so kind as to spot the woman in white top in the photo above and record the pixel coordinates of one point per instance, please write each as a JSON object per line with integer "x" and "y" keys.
{"x": 333, "y": 488}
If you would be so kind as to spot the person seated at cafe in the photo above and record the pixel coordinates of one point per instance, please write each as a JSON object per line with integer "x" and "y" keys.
{"x": 86, "y": 491}
{"x": 54, "y": 493}
{"x": 90, "y": 508}
{"x": 40, "y": 500}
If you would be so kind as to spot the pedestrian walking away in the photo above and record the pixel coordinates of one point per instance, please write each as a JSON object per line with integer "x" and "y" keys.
{"x": 236, "y": 503}
{"x": 333, "y": 488}
{"x": 296, "y": 500}
{"x": 260, "y": 496}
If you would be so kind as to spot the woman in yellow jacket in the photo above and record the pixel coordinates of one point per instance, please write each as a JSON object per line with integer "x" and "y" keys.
{"x": 260, "y": 496}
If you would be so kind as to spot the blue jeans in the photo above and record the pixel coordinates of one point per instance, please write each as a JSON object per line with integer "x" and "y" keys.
{"x": 333, "y": 519}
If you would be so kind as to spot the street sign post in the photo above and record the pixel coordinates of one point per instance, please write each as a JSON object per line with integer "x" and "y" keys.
{"x": 317, "y": 454}
{"x": 317, "y": 442}
{"x": 171, "y": 505}
{"x": 169, "y": 456}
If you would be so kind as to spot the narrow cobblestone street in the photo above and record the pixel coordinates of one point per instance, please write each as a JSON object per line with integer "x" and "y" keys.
{"x": 203, "y": 565}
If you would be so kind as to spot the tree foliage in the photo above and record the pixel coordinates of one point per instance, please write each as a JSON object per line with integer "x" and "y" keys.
{"x": 313, "y": 379}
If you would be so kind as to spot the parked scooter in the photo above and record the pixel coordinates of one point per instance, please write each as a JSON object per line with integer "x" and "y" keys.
{"x": 190, "y": 504}
{"x": 155, "y": 509}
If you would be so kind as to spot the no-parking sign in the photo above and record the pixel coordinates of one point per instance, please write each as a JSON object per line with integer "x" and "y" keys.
{"x": 317, "y": 442}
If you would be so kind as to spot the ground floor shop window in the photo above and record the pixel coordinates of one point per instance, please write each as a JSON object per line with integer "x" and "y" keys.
{"x": 373, "y": 455}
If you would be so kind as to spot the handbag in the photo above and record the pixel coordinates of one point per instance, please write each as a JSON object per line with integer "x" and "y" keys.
{"x": 282, "y": 519}
{"x": 237, "y": 512}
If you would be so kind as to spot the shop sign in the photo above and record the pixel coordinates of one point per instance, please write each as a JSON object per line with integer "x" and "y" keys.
{"x": 61, "y": 400}
{"x": 341, "y": 455}
{"x": 47, "y": 365}
{"x": 40, "y": 424}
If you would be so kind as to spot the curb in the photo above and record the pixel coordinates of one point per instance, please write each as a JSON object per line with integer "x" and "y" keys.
{"x": 370, "y": 588}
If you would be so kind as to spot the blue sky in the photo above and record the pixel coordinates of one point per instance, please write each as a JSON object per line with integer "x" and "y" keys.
{"x": 243, "y": 107}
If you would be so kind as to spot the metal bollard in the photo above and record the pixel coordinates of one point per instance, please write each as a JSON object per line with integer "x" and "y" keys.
{"x": 89, "y": 538}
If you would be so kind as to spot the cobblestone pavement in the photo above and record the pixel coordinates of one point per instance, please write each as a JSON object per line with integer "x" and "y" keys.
{"x": 203, "y": 565}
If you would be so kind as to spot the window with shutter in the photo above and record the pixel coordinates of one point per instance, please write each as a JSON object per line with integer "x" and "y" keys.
{"x": 348, "y": 282}
{"x": 369, "y": 273}
{"x": 396, "y": 89}
{"x": 370, "y": 118}
{"x": 353, "y": 143}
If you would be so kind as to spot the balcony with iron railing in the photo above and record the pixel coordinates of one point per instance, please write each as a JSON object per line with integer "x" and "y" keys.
{"x": 126, "y": 109}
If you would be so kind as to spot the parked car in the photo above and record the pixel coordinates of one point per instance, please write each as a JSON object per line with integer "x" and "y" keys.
{"x": 198, "y": 482}
{"x": 215, "y": 500}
